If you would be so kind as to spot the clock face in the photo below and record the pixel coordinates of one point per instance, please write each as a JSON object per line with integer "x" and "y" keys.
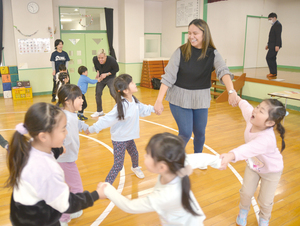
{"x": 33, "y": 7}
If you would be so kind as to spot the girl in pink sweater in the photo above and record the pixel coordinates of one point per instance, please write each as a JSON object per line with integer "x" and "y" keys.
{"x": 264, "y": 160}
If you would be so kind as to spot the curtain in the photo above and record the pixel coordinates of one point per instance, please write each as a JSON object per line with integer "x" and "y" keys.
{"x": 1, "y": 30}
{"x": 211, "y": 1}
{"x": 110, "y": 30}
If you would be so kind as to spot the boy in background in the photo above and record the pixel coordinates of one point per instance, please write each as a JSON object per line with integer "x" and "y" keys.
{"x": 83, "y": 85}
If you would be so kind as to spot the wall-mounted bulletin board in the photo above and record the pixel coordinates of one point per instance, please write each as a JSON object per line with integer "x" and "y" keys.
{"x": 186, "y": 11}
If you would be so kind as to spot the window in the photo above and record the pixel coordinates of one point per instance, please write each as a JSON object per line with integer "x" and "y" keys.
{"x": 72, "y": 18}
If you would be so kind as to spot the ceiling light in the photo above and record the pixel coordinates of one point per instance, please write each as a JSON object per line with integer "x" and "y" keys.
{"x": 65, "y": 20}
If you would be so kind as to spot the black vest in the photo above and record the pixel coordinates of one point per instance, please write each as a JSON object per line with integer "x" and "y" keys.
{"x": 196, "y": 74}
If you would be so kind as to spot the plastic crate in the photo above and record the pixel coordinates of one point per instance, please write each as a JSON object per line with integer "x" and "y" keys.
{"x": 6, "y": 86}
{"x": 13, "y": 69}
{"x": 6, "y": 78}
{"x": 4, "y": 70}
{"x": 21, "y": 93}
{"x": 14, "y": 77}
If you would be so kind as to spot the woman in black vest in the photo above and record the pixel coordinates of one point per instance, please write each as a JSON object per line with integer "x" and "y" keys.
{"x": 187, "y": 82}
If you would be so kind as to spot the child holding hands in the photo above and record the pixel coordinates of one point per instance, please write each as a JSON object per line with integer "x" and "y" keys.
{"x": 70, "y": 97}
{"x": 83, "y": 82}
{"x": 264, "y": 160}
{"x": 124, "y": 122}
{"x": 40, "y": 194}
{"x": 171, "y": 198}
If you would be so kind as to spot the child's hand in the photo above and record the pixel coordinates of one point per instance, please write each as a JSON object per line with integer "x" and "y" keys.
{"x": 99, "y": 79}
{"x": 100, "y": 189}
{"x": 226, "y": 158}
{"x": 87, "y": 132}
{"x": 103, "y": 75}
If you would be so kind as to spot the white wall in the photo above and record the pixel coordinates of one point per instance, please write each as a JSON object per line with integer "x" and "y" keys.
{"x": 10, "y": 56}
{"x": 153, "y": 17}
{"x": 134, "y": 31}
{"x": 227, "y": 22}
{"x": 29, "y": 23}
{"x": 288, "y": 15}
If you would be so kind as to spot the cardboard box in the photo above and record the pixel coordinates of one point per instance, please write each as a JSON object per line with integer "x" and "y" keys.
{"x": 26, "y": 83}
{"x": 7, "y": 94}
{"x": 14, "y": 77}
{"x": 4, "y": 70}
{"x": 13, "y": 70}
{"x": 13, "y": 84}
{"x": 6, "y": 86}
{"x": 5, "y": 78}
{"x": 23, "y": 83}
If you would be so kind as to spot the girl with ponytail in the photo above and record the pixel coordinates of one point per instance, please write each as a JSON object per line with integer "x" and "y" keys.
{"x": 172, "y": 197}
{"x": 40, "y": 194}
{"x": 124, "y": 122}
{"x": 264, "y": 160}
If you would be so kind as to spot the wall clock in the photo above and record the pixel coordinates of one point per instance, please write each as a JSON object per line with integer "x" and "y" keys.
{"x": 33, "y": 7}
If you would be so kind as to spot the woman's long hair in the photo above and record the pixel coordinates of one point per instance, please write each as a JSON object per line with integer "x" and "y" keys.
{"x": 207, "y": 41}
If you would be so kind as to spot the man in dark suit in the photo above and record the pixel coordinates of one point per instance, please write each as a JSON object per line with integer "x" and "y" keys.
{"x": 274, "y": 44}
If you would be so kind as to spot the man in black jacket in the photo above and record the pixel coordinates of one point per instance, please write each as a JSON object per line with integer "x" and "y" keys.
{"x": 274, "y": 44}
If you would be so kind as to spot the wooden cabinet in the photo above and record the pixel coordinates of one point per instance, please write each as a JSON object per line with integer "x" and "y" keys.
{"x": 152, "y": 68}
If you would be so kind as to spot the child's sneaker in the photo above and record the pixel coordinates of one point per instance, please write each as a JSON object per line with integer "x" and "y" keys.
{"x": 72, "y": 216}
{"x": 63, "y": 223}
{"x": 3, "y": 142}
{"x": 97, "y": 114}
{"x": 82, "y": 117}
{"x": 138, "y": 172}
{"x": 263, "y": 222}
{"x": 241, "y": 219}
{"x": 76, "y": 215}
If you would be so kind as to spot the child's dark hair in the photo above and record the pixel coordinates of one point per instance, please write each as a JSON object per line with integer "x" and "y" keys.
{"x": 68, "y": 92}
{"x": 62, "y": 67}
{"x": 61, "y": 80}
{"x": 57, "y": 41}
{"x": 82, "y": 69}
{"x": 40, "y": 117}
{"x": 277, "y": 112}
{"x": 170, "y": 149}
{"x": 121, "y": 83}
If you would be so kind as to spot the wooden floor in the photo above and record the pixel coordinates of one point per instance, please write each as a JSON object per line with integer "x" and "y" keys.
{"x": 216, "y": 191}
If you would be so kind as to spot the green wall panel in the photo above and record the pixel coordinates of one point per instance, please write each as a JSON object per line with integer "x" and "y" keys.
{"x": 258, "y": 91}
{"x": 133, "y": 69}
{"x": 41, "y": 79}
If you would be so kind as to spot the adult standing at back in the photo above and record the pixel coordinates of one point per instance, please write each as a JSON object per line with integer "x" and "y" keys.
{"x": 274, "y": 44}
{"x": 106, "y": 67}
{"x": 187, "y": 82}
{"x": 58, "y": 57}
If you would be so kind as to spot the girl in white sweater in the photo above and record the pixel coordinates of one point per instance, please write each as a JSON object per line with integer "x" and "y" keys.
{"x": 171, "y": 198}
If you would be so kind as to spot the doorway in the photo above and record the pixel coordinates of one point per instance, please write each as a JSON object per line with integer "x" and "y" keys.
{"x": 257, "y": 32}
{"x": 82, "y": 47}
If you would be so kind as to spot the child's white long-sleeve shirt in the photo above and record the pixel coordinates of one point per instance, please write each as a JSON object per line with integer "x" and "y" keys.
{"x": 127, "y": 129}
{"x": 71, "y": 142}
{"x": 166, "y": 198}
